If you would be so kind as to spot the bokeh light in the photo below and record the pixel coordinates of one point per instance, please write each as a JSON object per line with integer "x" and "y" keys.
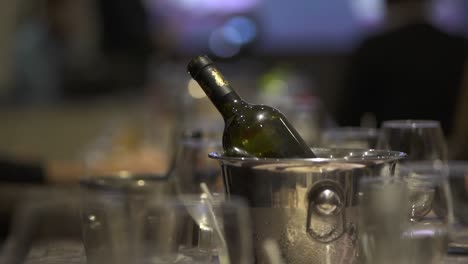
{"x": 220, "y": 46}
{"x": 240, "y": 30}
{"x": 195, "y": 90}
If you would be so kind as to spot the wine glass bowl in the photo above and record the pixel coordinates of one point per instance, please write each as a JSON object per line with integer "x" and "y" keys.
{"x": 427, "y": 186}
{"x": 419, "y": 139}
{"x": 421, "y": 197}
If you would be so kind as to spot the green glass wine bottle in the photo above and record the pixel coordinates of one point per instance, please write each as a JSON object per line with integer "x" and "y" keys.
{"x": 250, "y": 130}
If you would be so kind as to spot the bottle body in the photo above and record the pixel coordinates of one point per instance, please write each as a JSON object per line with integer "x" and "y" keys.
{"x": 263, "y": 132}
{"x": 250, "y": 130}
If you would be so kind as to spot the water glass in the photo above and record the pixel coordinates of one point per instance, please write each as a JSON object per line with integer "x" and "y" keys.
{"x": 194, "y": 230}
{"x": 402, "y": 220}
{"x": 383, "y": 219}
{"x": 123, "y": 171}
{"x": 110, "y": 208}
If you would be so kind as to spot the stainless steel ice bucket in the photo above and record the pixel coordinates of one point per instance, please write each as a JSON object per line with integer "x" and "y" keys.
{"x": 309, "y": 206}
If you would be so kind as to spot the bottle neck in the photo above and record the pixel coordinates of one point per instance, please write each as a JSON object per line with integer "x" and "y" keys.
{"x": 228, "y": 104}
{"x": 219, "y": 91}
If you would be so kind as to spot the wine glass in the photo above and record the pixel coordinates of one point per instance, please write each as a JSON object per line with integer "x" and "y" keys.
{"x": 123, "y": 169}
{"x": 431, "y": 209}
{"x": 421, "y": 140}
{"x": 404, "y": 219}
{"x": 192, "y": 165}
{"x": 425, "y": 174}
{"x": 194, "y": 229}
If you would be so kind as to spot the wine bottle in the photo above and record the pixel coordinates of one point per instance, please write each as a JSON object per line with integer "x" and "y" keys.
{"x": 250, "y": 130}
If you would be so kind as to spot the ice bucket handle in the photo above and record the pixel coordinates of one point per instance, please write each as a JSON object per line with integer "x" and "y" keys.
{"x": 325, "y": 211}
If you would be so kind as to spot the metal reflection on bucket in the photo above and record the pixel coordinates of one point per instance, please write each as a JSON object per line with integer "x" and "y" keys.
{"x": 308, "y": 205}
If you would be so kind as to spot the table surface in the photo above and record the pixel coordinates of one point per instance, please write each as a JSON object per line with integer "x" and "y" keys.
{"x": 72, "y": 252}
{"x": 57, "y": 252}
{"x": 69, "y": 250}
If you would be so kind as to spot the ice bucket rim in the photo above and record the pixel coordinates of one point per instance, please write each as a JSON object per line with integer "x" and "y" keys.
{"x": 367, "y": 155}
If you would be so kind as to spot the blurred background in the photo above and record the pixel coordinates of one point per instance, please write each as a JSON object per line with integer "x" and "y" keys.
{"x": 72, "y": 71}
{"x": 104, "y": 82}
{"x": 99, "y": 84}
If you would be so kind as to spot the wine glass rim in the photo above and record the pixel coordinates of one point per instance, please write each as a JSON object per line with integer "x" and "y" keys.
{"x": 410, "y": 123}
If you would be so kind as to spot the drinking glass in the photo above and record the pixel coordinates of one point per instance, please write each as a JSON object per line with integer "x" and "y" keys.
{"x": 194, "y": 229}
{"x": 110, "y": 207}
{"x": 421, "y": 140}
{"x": 350, "y": 137}
{"x": 389, "y": 231}
{"x": 124, "y": 169}
{"x": 382, "y": 213}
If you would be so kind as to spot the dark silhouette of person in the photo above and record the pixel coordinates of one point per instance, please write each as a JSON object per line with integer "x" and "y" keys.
{"x": 41, "y": 52}
{"x": 126, "y": 41}
{"x": 411, "y": 70}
